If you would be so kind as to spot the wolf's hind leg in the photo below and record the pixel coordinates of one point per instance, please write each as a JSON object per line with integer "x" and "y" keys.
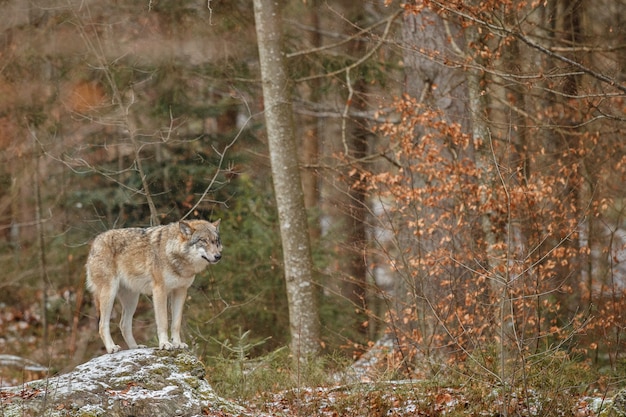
{"x": 106, "y": 298}
{"x": 129, "y": 301}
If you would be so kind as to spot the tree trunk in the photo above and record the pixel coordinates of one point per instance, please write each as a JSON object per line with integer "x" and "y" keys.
{"x": 310, "y": 136}
{"x": 303, "y": 317}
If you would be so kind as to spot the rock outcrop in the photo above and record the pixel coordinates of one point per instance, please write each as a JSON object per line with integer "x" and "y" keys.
{"x": 140, "y": 382}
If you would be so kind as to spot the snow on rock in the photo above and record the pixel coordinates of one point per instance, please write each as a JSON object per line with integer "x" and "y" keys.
{"x": 139, "y": 382}
{"x": 372, "y": 363}
{"x": 615, "y": 407}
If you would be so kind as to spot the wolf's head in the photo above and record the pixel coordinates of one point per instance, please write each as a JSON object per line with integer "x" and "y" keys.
{"x": 203, "y": 239}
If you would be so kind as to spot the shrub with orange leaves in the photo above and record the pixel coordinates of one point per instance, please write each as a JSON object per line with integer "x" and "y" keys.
{"x": 484, "y": 252}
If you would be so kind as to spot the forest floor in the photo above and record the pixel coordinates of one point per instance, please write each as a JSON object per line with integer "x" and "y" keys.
{"x": 404, "y": 398}
{"x": 347, "y": 396}
{"x": 407, "y": 398}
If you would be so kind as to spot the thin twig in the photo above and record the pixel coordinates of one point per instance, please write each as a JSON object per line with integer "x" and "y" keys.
{"x": 222, "y": 156}
{"x": 364, "y": 58}
{"x": 502, "y": 30}
{"x": 344, "y": 41}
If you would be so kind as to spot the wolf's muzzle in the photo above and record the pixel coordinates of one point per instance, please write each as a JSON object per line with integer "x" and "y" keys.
{"x": 215, "y": 260}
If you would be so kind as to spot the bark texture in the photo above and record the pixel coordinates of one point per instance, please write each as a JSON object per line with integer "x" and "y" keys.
{"x": 303, "y": 318}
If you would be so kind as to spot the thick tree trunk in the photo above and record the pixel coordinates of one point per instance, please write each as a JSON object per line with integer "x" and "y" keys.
{"x": 303, "y": 317}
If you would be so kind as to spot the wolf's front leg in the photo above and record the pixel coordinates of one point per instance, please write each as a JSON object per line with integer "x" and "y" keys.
{"x": 178, "y": 297}
{"x": 159, "y": 299}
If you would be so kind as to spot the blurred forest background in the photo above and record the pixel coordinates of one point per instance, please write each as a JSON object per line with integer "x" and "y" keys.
{"x": 463, "y": 167}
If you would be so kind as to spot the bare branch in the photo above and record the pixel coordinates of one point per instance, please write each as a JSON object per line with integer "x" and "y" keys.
{"x": 347, "y": 39}
{"x": 222, "y": 156}
{"x": 501, "y": 30}
{"x": 365, "y": 57}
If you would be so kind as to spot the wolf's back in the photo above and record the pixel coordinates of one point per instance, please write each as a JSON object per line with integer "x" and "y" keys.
{"x": 118, "y": 245}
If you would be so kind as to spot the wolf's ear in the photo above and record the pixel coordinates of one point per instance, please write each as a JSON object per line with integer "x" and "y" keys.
{"x": 185, "y": 229}
{"x": 216, "y": 223}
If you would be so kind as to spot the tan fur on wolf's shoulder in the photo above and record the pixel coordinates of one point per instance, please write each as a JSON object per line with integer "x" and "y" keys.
{"x": 161, "y": 261}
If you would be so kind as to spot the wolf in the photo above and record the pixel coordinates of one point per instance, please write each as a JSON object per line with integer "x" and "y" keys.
{"x": 161, "y": 261}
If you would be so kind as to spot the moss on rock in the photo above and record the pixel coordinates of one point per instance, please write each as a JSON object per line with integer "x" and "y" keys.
{"x": 140, "y": 382}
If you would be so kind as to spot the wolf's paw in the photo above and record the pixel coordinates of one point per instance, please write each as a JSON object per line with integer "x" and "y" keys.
{"x": 166, "y": 346}
{"x": 138, "y": 347}
{"x": 113, "y": 349}
{"x": 180, "y": 345}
